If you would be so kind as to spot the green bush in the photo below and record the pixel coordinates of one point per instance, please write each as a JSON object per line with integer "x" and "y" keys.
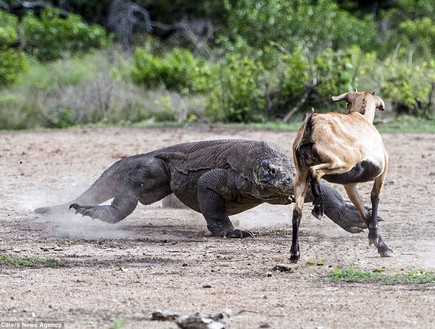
{"x": 238, "y": 96}
{"x": 248, "y": 92}
{"x": 411, "y": 28}
{"x": 410, "y": 87}
{"x": 51, "y": 36}
{"x": 335, "y": 71}
{"x": 72, "y": 91}
{"x": 314, "y": 25}
{"x": 12, "y": 61}
{"x": 421, "y": 33}
{"x": 177, "y": 70}
{"x": 407, "y": 85}
{"x": 8, "y": 28}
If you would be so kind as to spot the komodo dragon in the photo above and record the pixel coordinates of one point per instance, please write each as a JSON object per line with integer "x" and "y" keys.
{"x": 216, "y": 178}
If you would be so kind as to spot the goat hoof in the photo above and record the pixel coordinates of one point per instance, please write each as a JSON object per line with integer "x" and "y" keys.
{"x": 294, "y": 255}
{"x": 294, "y": 259}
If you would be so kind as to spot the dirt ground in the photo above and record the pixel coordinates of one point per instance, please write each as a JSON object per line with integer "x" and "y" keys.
{"x": 162, "y": 259}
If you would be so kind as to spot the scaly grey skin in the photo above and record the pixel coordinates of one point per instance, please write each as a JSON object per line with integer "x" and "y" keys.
{"x": 216, "y": 178}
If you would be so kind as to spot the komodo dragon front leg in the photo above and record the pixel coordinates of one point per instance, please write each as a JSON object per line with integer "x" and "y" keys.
{"x": 213, "y": 194}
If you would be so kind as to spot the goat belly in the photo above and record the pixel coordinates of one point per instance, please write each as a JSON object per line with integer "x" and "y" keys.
{"x": 363, "y": 171}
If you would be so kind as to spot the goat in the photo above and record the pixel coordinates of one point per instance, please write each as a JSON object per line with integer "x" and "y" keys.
{"x": 342, "y": 148}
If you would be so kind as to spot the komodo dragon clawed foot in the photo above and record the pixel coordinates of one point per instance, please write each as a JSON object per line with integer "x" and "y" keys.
{"x": 103, "y": 213}
{"x": 238, "y": 234}
{"x": 383, "y": 249}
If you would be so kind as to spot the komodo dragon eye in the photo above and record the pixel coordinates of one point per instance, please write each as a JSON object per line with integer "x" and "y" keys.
{"x": 269, "y": 167}
{"x": 272, "y": 169}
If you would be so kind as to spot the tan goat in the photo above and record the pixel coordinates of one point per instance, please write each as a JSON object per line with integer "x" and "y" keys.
{"x": 342, "y": 148}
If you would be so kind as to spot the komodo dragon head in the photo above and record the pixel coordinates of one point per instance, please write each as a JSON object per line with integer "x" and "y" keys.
{"x": 273, "y": 178}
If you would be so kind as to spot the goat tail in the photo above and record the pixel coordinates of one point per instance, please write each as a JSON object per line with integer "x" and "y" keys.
{"x": 307, "y": 136}
{"x": 304, "y": 152}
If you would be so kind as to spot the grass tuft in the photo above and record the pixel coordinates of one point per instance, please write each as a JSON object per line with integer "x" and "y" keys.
{"x": 30, "y": 261}
{"x": 352, "y": 274}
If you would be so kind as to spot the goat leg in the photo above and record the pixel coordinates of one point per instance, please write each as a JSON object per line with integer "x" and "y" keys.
{"x": 296, "y": 221}
{"x": 374, "y": 237}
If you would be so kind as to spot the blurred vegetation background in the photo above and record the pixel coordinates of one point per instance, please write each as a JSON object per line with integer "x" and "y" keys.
{"x": 73, "y": 62}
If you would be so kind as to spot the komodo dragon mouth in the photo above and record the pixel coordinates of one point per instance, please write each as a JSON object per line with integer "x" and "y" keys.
{"x": 280, "y": 197}
{"x": 275, "y": 180}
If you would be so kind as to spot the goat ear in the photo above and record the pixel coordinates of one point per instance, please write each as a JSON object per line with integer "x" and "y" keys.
{"x": 380, "y": 104}
{"x": 373, "y": 93}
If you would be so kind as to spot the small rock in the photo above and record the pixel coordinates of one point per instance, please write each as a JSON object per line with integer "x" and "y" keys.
{"x": 282, "y": 268}
{"x": 204, "y": 321}
{"x": 164, "y": 315}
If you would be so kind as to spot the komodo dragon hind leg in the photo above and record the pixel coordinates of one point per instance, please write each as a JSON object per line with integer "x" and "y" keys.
{"x": 212, "y": 205}
{"x": 122, "y": 206}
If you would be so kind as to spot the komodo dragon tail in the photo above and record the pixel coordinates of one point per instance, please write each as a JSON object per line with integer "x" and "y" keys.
{"x": 102, "y": 190}
{"x": 339, "y": 211}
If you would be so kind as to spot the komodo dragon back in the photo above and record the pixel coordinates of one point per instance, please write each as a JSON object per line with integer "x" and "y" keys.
{"x": 241, "y": 155}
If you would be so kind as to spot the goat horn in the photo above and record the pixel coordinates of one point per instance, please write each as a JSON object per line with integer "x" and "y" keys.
{"x": 341, "y": 97}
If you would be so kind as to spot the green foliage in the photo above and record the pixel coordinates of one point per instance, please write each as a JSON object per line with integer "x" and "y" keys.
{"x": 55, "y": 75}
{"x": 335, "y": 71}
{"x": 51, "y": 36}
{"x": 312, "y": 25}
{"x": 177, "y": 70}
{"x": 294, "y": 70}
{"x": 421, "y": 33}
{"x": 12, "y": 61}
{"x": 72, "y": 91}
{"x": 352, "y": 274}
{"x": 8, "y": 28}
{"x": 320, "y": 262}
{"x": 411, "y": 27}
{"x": 238, "y": 97}
{"x": 409, "y": 86}
{"x": 247, "y": 85}
{"x": 268, "y": 60}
